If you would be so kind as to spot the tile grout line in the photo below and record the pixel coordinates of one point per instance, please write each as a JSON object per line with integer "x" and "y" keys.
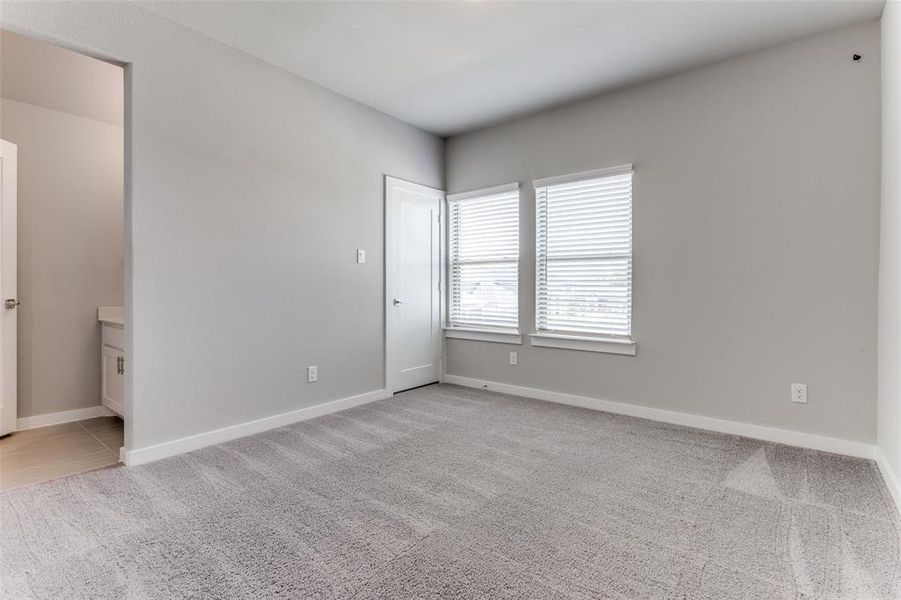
{"x": 99, "y": 441}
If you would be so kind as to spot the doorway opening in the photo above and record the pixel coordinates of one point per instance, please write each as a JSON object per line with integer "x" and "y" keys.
{"x": 62, "y": 238}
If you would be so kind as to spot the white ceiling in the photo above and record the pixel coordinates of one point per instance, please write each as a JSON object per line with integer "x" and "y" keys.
{"x": 452, "y": 67}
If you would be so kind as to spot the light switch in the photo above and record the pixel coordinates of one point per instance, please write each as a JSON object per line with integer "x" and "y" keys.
{"x": 361, "y": 256}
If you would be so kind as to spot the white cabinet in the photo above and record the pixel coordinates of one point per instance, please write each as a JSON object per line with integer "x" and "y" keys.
{"x": 112, "y": 356}
{"x": 112, "y": 389}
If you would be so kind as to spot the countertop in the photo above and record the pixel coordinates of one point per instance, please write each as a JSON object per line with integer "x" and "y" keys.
{"x": 114, "y": 315}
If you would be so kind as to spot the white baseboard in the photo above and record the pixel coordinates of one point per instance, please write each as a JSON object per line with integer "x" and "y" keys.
{"x": 66, "y": 416}
{"x": 759, "y": 432}
{"x": 891, "y": 478}
{"x": 139, "y": 456}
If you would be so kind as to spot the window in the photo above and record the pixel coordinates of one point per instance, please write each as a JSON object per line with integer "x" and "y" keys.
{"x": 484, "y": 260}
{"x": 584, "y": 259}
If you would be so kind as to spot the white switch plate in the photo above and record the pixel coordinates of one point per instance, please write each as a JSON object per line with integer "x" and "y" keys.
{"x": 312, "y": 374}
{"x": 514, "y": 358}
{"x": 361, "y": 256}
{"x": 799, "y": 393}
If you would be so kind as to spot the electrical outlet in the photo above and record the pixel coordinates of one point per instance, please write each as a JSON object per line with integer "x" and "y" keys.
{"x": 361, "y": 256}
{"x": 799, "y": 393}
{"x": 312, "y": 374}
{"x": 514, "y": 358}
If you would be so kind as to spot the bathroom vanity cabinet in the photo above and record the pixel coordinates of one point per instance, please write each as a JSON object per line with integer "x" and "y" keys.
{"x": 112, "y": 356}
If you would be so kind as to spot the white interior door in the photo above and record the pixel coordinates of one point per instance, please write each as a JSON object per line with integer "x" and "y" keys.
{"x": 8, "y": 321}
{"x": 412, "y": 284}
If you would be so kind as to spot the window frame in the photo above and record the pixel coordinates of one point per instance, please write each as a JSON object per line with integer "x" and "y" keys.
{"x": 586, "y": 341}
{"x": 475, "y": 332}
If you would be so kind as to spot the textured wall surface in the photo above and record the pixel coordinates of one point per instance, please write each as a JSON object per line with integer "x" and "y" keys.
{"x": 250, "y": 191}
{"x": 756, "y": 225}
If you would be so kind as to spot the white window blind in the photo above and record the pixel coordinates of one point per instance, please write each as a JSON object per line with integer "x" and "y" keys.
{"x": 584, "y": 254}
{"x": 484, "y": 259}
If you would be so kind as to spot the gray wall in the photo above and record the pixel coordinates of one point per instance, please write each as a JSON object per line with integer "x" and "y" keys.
{"x": 250, "y": 191}
{"x": 890, "y": 253}
{"x": 756, "y": 219}
{"x": 64, "y": 112}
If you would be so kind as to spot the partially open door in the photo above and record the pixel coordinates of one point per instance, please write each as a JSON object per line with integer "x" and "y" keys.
{"x": 8, "y": 297}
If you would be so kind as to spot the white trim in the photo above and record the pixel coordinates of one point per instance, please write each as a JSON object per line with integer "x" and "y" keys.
{"x": 588, "y": 344}
{"x": 139, "y": 456}
{"x": 442, "y": 289}
{"x": 483, "y": 335}
{"x": 8, "y": 285}
{"x": 57, "y": 418}
{"x": 759, "y": 432}
{"x": 891, "y": 479}
{"x": 488, "y": 191}
{"x": 583, "y": 175}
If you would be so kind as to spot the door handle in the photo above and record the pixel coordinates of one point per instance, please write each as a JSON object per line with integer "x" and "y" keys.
{"x": 10, "y": 303}
{"x": 396, "y": 302}
{"x": 120, "y": 365}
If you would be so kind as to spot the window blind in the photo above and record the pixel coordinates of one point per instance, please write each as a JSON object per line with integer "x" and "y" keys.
{"x": 484, "y": 259}
{"x": 584, "y": 254}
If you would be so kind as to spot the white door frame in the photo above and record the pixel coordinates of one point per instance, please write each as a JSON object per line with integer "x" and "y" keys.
{"x": 8, "y": 288}
{"x": 390, "y": 208}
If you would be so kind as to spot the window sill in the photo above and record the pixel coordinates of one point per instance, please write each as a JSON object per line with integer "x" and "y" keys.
{"x": 483, "y": 335}
{"x": 587, "y": 344}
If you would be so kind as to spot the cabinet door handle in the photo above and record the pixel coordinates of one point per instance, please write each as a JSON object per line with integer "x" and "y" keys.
{"x": 120, "y": 365}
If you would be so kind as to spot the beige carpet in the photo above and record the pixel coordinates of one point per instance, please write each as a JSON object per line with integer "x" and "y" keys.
{"x": 446, "y": 492}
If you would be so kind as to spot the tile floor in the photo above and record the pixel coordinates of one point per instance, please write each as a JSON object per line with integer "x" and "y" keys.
{"x": 36, "y": 455}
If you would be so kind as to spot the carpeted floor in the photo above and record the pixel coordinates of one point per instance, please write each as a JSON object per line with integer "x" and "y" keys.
{"x": 447, "y": 492}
